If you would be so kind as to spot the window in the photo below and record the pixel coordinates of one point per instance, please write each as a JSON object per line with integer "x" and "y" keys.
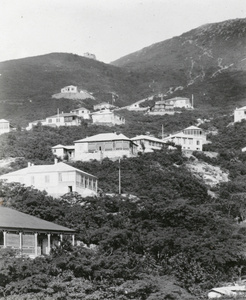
{"x": 47, "y": 178}
{"x": 198, "y": 142}
{"x": 32, "y": 180}
{"x": 57, "y": 120}
{"x": 60, "y": 177}
{"x": 49, "y": 120}
{"x": 1, "y": 238}
{"x": 70, "y": 189}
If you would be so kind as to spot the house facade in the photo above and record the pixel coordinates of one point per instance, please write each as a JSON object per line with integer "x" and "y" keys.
{"x": 103, "y": 145}
{"x": 69, "y": 89}
{"x": 4, "y": 126}
{"x": 162, "y": 108}
{"x": 60, "y": 119}
{"x": 240, "y": 114}
{"x": 81, "y": 112}
{"x": 29, "y": 235}
{"x": 148, "y": 143}
{"x": 191, "y": 138}
{"x": 64, "y": 152}
{"x": 107, "y": 117}
{"x": 56, "y": 180}
{"x": 180, "y": 102}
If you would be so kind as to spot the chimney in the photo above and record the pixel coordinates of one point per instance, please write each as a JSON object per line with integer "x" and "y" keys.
{"x": 29, "y": 164}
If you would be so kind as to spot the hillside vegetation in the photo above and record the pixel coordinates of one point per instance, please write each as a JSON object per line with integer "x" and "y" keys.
{"x": 171, "y": 234}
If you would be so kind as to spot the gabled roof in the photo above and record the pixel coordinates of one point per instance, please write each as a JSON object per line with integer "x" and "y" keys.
{"x": 80, "y": 108}
{"x": 58, "y": 167}
{"x": 63, "y": 115}
{"x": 63, "y": 147}
{"x": 177, "y": 98}
{"x": 103, "y": 112}
{"x": 13, "y": 219}
{"x": 3, "y": 121}
{"x": 104, "y": 137}
{"x": 241, "y": 108}
{"x": 192, "y": 127}
{"x": 69, "y": 86}
{"x": 148, "y": 138}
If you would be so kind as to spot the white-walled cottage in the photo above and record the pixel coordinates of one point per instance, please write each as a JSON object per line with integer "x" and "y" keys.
{"x": 57, "y": 179}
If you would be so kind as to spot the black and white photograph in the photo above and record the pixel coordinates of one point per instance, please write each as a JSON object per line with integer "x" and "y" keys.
{"x": 122, "y": 149}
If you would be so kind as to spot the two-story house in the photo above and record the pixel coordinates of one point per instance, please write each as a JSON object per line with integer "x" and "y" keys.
{"x": 29, "y": 235}
{"x": 57, "y": 179}
{"x": 191, "y": 138}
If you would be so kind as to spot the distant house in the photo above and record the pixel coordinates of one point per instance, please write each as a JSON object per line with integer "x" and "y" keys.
{"x": 69, "y": 89}
{"x": 56, "y": 180}
{"x": 136, "y": 107}
{"x": 103, "y": 105}
{"x": 64, "y": 152}
{"x": 60, "y": 119}
{"x": 240, "y": 114}
{"x": 30, "y": 235}
{"x": 82, "y": 112}
{"x": 148, "y": 143}
{"x": 191, "y": 138}
{"x": 103, "y": 145}
{"x": 90, "y": 55}
{"x": 4, "y": 126}
{"x": 162, "y": 108}
{"x": 180, "y": 102}
{"x": 107, "y": 117}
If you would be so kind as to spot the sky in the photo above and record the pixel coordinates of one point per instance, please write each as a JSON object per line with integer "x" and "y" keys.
{"x": 109, "y": 29}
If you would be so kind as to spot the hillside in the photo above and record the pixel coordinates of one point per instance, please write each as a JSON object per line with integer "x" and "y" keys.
{"x": 27, "y": 85}
{"x": 208, "y": 61}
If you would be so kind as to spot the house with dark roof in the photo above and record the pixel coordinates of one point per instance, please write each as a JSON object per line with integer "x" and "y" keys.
{"x": 30, "y": 235}
{"x": 57, "y": 179}
{"x": 148, "y": 143}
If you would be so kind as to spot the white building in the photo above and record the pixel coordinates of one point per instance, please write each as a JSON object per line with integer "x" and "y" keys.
{"x": 64, "y": 152}
{"x": 60, "y": 119}
{"x": 90, "y": 55}
{"x": 103, "y": 145}
{"x": 180, "y": 102}
{"x": 148, "y": 143}
{"x": 56, "y": 180}
{"x": 69, "y": 89}
{"x": 106, "y": 117}
{"x": 240, "y": 114}
{"x": 191, "y": 138}
{"x": 82, "y": 112}
{"x": 4, "y": 126}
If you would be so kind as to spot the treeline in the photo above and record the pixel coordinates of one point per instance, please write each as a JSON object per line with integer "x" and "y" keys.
{"x": 171, "y": 228}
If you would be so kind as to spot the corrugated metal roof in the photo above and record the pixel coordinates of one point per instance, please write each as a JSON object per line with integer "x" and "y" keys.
{"x": 58, "y": 167}
{"x": 104, "y": 137}
{"x": 13, "y": 219}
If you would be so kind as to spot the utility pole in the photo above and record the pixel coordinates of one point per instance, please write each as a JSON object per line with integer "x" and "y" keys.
{"x": 162, "y": 132}
{"x": 119, "y": 178}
